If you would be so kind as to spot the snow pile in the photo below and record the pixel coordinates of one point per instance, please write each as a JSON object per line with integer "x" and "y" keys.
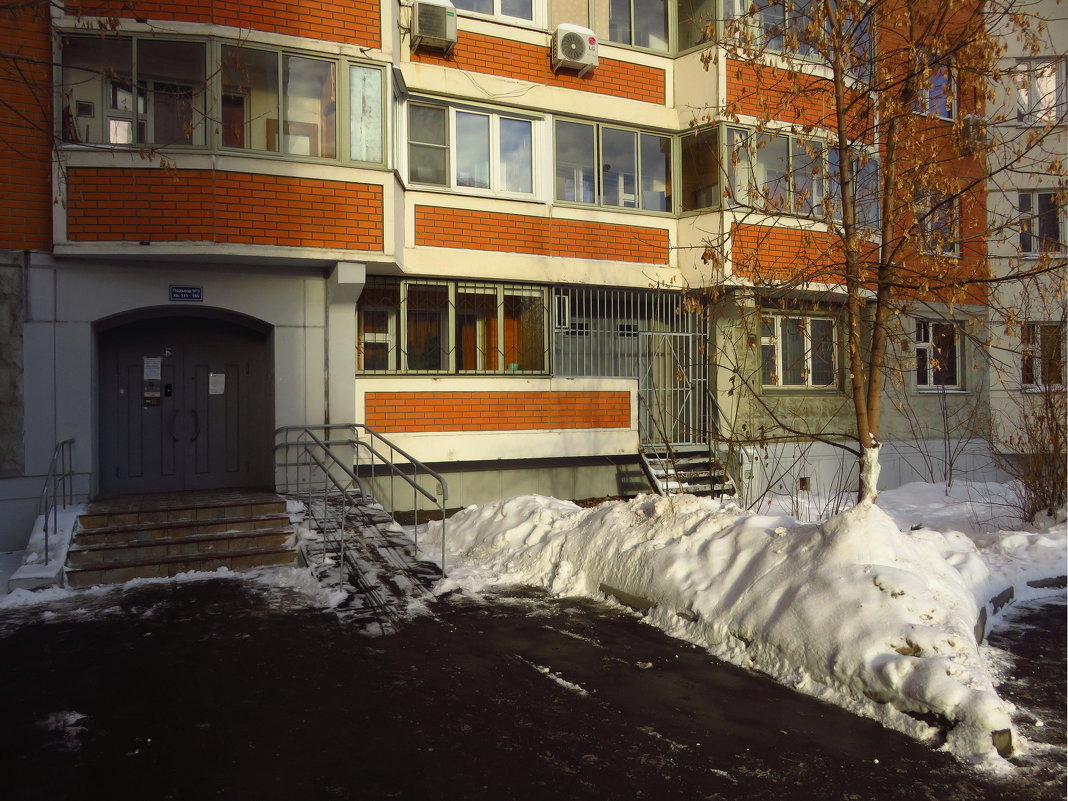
{"x": 853, "y": 611}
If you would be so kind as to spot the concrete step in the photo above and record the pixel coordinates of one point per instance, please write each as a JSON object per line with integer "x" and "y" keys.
{"x": 138, "y": 552}
{"x": 112, "y": 519}
{"x": 131, "y": 533}
{"x": 172, "y": 566}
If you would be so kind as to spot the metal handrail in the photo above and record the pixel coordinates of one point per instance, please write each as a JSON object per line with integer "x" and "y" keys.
{"x": 58, "y": 486}
{"x": 376, "y": 454}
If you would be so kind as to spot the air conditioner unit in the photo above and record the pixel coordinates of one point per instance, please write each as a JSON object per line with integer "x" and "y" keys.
{"x": 575, "y": 48}
{"x": 433, "y": 24}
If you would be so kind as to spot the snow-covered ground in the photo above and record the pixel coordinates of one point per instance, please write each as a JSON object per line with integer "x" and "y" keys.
{"x": 874, "y": 609}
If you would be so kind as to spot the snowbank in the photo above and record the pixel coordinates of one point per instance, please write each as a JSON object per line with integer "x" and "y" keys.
{"x": 853, "y": 610}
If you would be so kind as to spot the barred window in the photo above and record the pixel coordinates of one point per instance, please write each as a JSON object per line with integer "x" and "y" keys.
{"x": 426, "y": 326}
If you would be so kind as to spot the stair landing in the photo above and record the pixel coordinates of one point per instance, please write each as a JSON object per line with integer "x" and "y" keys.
{"x": 159, "y": 535}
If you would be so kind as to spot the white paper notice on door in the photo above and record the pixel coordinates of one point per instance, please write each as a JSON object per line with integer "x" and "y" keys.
{"x": 216, "y": 383}
{"x": 153, "y": 368}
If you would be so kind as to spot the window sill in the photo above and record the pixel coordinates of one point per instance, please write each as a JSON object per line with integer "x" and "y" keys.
{"x": 941, "y": 391}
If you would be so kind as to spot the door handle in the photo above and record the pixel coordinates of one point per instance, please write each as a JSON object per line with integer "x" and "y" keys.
{"x": 174, "y": 426}
{"x": 196, "y": 425}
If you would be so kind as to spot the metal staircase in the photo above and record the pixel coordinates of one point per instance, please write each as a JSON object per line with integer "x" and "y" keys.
{"x": 690, "y": 469}
{"x": 334, "y": 471}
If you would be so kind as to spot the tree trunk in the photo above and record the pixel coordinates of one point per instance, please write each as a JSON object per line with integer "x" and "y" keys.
{"x": 869, "y": 474}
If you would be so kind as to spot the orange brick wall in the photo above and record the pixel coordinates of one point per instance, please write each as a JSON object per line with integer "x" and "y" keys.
{"x": 526, "y": 62}
{"x": 355, "y": 22}
{"x": 774, "y": 253}
{"x": 179, "y": 205}
{"x": 516, "y": 233}
{"x": 495, "y": 411}
{"x": 26, "y": 122}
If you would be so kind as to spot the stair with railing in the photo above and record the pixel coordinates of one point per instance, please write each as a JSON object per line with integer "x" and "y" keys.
{"x": 156, "y": 536}
{"x": 689, "y": 469}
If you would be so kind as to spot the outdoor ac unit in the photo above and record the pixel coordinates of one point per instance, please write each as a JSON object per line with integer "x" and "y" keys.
{"x": 433, "y": 24}
{"x": 574, "y": 47}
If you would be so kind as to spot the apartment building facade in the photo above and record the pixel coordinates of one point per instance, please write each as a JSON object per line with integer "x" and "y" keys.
{"x": 489, "y": 244}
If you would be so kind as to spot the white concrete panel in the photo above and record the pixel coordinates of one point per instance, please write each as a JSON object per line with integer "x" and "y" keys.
{"x": 290, "y": 376}
{"x": 540, "y": 444}
{"x": 40, "y": 289}
{"x": 39, "y": 397}
{"x": 75, "y": 408}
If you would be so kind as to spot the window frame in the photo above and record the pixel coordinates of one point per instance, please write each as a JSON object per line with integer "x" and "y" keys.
{"x": 215, "y": 90}
{"x": 598, "y": 168}
{"x": 538, "y": 14}
{"x": 1032, "y": 217}
{"x": 924, "y": 334}
{"x": 1034, "y": 348}
{"x": 929, "y": 206}
{"x": 926, "y": 97}
{"x": 496, "y": 163}
{"x": 398, "y": 327}
{"x": 816, "y": 202}
{"x": 1034, "y": 112}
{"x": 778, "y": 320}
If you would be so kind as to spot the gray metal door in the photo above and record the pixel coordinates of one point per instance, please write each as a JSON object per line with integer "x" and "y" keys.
{"x": 185, "y": 403}
{"x": 670, "y": 394}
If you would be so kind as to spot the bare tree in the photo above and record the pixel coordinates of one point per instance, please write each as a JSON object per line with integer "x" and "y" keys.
{"x": 858, "y": 185}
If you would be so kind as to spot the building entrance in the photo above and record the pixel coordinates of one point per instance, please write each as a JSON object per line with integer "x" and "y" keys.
{"x": 185, "y": 403}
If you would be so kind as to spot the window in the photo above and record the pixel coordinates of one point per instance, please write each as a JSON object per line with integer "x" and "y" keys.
{"x": 865, "y": 193}
{"x": 641, "y": 23}
{"x": 696, "y": 23}
{"x": 157, "y": 92}
{"x": 797, "y": 351}
{"x": 458, "y": 327}
{"x": 1042, "y": 350}
{"x": 776, "y": 172}
{"x": 633, "y": 169}
{"x": 488, "y": 151}
{"x": 148, "y": 92}
{"x": 937, "y": 355}
{"x": 937, "y": 94}
{"x": 936, "y": 223}
{"x": 1040, "y": 222}
{"x": 701, "y": 170}
{"x": 1039, "y": 90}
{"x": 801, "y": 28}
{"x": 519, "y": 9}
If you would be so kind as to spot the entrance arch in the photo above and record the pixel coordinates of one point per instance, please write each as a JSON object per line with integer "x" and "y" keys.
{"x": 185, "y": 401}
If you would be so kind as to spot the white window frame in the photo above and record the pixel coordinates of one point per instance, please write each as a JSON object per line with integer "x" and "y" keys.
{"x": 778, "y": 319}
{"x": 750, "y": 144}
{"x": 538, "y": 14}
{"x": 496, "y": 168}
{"x": 389, "y": 336}
{"x": 1030, "y": 221}
{"x": 923, "y": 337}
{"x": 1032, "y": 108}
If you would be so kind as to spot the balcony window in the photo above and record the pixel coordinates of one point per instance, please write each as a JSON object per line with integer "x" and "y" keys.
{"x": 612, "y": 167}
{"x": 470, "y": 149}
{"x": 641, "y": 23}
{"x": 776, "y": 173}
{"x": 937, "y": 223}
{"x": 133, "y": 92}
{"x": 701, "y": 170}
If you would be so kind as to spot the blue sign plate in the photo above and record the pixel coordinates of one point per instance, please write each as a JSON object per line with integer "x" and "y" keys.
{"x": 187, "y": 293}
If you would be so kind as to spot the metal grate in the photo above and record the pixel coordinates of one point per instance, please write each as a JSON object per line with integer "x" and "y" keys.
{"x": 642, "y": 334}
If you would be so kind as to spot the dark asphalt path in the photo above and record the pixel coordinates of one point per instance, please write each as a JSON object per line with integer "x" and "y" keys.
{"x": 224, "y": 688}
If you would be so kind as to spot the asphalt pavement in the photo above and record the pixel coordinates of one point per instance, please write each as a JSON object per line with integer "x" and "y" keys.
{"x": 227, "y": 688}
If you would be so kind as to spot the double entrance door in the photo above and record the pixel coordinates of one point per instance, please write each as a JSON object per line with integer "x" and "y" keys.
{"x": 185, "y": 403}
